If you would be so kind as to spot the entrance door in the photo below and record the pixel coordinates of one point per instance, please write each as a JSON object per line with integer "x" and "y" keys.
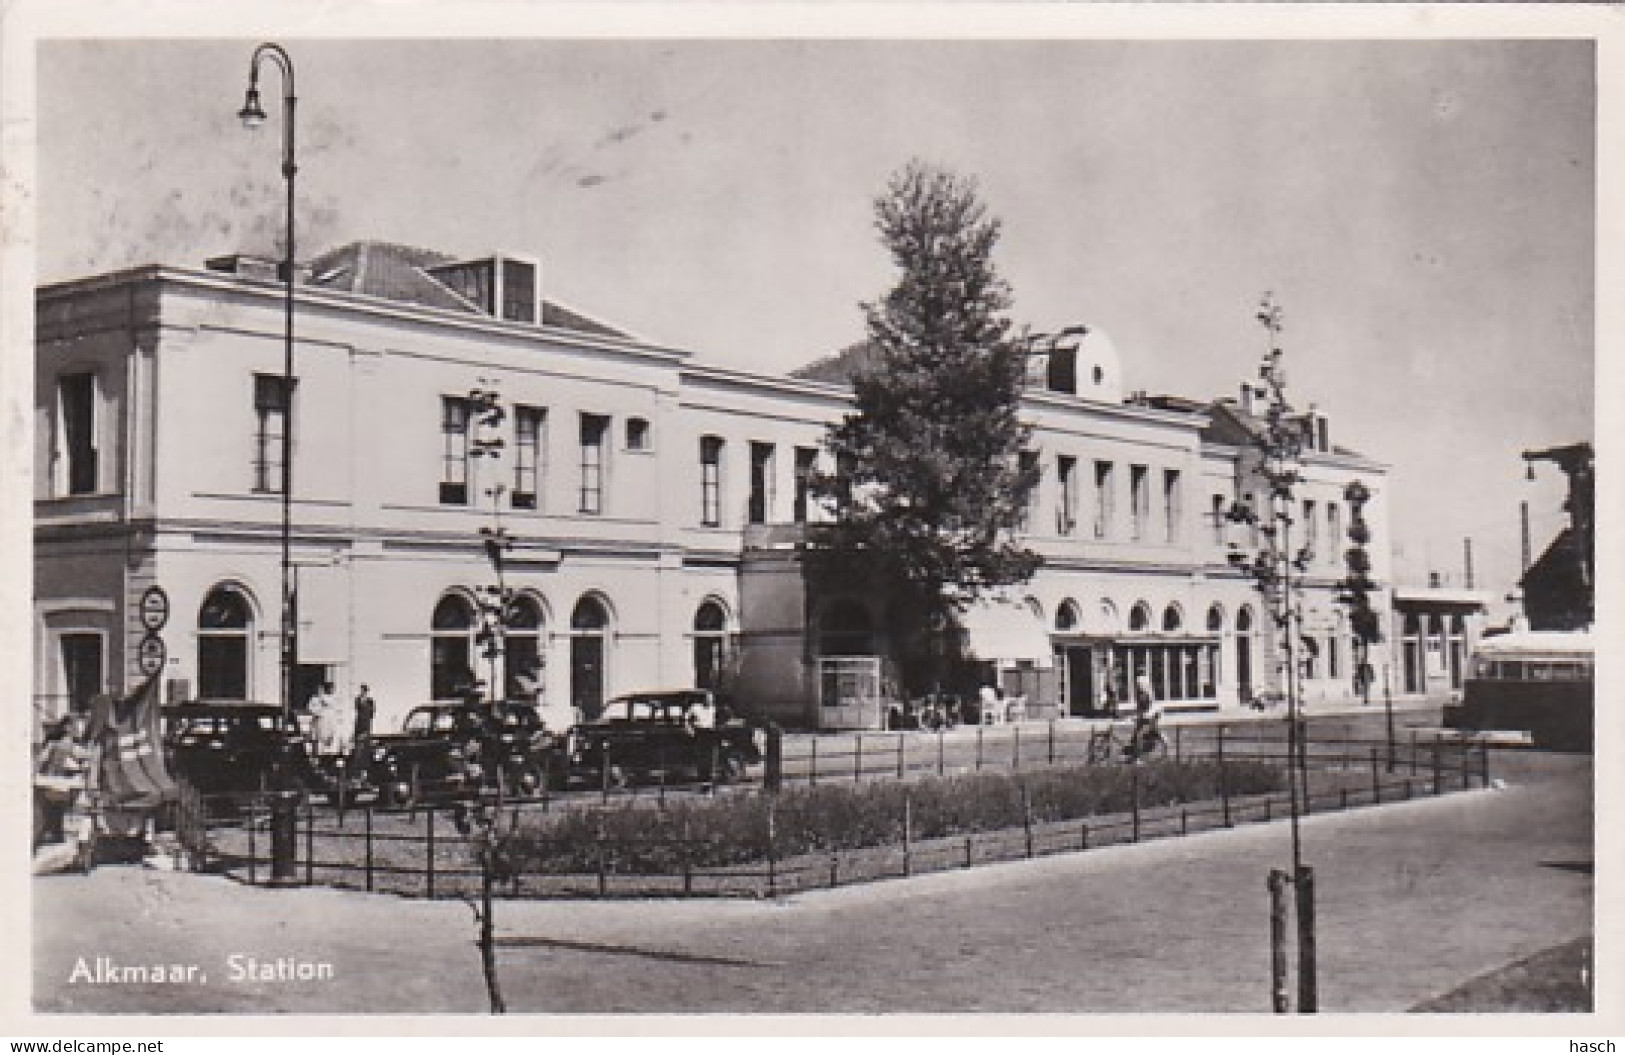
{"x": 587, "y": 674}
{"x": 81, "y": 668}
{"x": 1080, "y": 680}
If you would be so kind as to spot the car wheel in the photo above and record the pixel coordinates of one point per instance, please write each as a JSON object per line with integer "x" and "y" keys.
{"x": 730, "y": 768}
{"x": 395, "y": 795}
{"x": 525, "y": 780}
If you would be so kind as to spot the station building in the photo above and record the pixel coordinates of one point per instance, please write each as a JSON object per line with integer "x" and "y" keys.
{"x": 658, "y": 508}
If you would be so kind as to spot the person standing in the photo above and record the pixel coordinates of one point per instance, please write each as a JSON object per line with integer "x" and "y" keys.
{"x": 365, "y": 709}
{"x": 324, "y": 719}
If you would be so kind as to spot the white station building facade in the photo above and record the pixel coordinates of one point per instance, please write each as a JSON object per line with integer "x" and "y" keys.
{"x": 657, "y": 507}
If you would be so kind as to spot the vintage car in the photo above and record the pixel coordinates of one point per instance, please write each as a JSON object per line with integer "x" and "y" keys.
{"x": 236, "y": 748}
{"x": 451, "y": 750}
{"x": 674, "y": 735}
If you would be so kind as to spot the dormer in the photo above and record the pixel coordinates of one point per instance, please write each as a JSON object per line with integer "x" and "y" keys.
{"x": 507, "y": 286}
{"x": 1083, "y": 363}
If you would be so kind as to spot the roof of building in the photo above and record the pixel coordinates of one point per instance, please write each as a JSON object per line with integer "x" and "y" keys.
{"x": 401, "y": 273}
{"x": 843, "y": 366}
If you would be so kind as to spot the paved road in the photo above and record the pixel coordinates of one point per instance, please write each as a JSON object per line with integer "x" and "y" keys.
{"x": 1414, "y": 898}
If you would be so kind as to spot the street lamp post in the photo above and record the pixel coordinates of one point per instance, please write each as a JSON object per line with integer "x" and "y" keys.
{"x": 253, "y": 116}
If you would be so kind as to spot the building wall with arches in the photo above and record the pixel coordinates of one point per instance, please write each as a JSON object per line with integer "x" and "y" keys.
{"x": 670, "y": 492}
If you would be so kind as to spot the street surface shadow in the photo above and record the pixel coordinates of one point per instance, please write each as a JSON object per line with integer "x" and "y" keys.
{"x": 529, "y": 942}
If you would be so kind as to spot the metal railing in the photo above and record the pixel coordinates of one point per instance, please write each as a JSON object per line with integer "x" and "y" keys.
{"x": 430, "y": 851}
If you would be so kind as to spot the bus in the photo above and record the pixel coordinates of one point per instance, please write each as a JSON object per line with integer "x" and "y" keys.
{"x": 1535, "y": 681}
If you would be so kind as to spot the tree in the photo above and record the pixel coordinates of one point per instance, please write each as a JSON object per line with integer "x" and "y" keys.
{"x": 1277, "y": 569}
{"x": 1354, "y": 591}
{"x": 930, "y": 488}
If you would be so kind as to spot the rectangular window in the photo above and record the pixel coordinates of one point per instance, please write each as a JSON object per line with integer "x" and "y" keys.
{"x": 270, "y": 425}
{"x": 1333, "y": 666}
{"x": 1139, "y": 501}
{"x": 846, "y": 471}
{"x": 1105, "y": 500}
{"x": 529, "y": 426}
{"x": 1066, "y": 506}
{"x": 75, "y": 448}
{"x": 594, "y": 430}
{"x": 1028, "y": 463}
{"x": 454, "y": 423}
{"x": 1311, "y": 526}
{"x": 1335, "y": 543}
{"x": 519, "y": 290}
{"x": 1219, "y": 520}
{"x": 1172, "y": 504}
{"x": 711, "y": 481}
{"x": 806, "y": 465}
{"x": 761, "y": 482}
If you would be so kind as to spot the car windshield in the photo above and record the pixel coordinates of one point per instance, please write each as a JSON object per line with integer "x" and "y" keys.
{"x": 429, "y": 720}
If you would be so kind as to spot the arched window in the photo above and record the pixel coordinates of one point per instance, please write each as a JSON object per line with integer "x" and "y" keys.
{"x": 846, "y": 630}
{"x": 451, "y": 647}
{"x": 710, "y": 644}
{"x": 1139, "y": 618}
{"x": 589, "y": 635}
{"x": 1244, "y": 653}
{"x": 522, "y": 653}
{"x": 1215, "y": 620}
{"x": 1172, "y": 619}
{"x": 1109, "y": 621}
{"x": 224, "y": 629}
{"x": 1066, "y": 618}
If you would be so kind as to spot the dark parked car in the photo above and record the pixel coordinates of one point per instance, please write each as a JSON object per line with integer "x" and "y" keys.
{"x": 677, "y": 734}
{"x": 451, "y": 750}
{"x": 230, "y": 747}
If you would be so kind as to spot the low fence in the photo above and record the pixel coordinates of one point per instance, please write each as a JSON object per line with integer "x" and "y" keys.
{"x": 433, "y": 851}
{"x": 902, "y": 755}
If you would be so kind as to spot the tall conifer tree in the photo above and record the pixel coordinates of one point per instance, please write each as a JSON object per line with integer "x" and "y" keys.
{"x": 930, "y": 488}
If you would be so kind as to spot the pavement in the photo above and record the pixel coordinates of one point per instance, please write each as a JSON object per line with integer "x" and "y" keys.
{"x": 1413, "y": 899}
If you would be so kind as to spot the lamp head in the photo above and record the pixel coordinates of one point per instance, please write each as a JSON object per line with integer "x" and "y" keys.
{"x": 252, "y": 114}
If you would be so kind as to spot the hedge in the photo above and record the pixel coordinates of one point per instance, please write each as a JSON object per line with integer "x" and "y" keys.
{"x": 734, "y": 829}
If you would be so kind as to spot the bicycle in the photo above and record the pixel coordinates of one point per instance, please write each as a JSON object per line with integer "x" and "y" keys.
{"x": 1111, "y": 745}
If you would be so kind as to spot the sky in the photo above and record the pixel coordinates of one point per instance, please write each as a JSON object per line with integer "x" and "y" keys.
{"x": 1423, "y": 211}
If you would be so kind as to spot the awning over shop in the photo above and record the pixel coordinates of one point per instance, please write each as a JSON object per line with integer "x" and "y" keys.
{"x": 1003, "y": 631}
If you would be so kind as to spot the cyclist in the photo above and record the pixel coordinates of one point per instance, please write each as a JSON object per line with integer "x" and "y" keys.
{"x": 1147, "y": 717}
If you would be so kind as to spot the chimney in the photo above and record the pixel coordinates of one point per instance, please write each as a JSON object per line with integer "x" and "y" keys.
{"x": 258, "y": 268}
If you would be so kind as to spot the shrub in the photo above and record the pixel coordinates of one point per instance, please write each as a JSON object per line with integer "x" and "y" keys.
{"x": 734, "y": 830}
